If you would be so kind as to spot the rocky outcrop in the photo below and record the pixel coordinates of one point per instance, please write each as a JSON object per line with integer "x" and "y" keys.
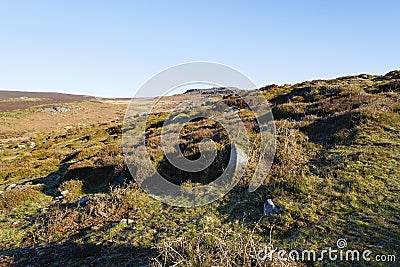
{"x": 213, "y": 91}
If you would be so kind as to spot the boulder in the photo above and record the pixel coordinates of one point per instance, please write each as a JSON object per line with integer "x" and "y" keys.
{"x": 269, "y": 207}
{"x": 11, "y": 186}
{"x": 83, "y": 200}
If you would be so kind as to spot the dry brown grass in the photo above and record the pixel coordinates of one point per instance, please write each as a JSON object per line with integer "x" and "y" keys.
{"x": 59, "y": 222}
{"x": 218, "y": 245}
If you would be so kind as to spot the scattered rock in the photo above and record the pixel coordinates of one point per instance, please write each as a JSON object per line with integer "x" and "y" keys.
{"x": 213, "y": 91}
{"x": 141, "y": 114}
{"x": 64, "y": 193}
{"x": 56, "y": 110}
{"x": 21, "y": 146}
{"x": 207, "y": 103}
{"x": 229, "y": 112}
{"x": 85, "y": 138}
{"x": 11, "y": 186}
{"x": 32, "y": 145}
{"x": 45, "y": 210}
{"x": 269, "y": 207}
{"x": 127, "y": 221}
{"x": 144, "y": 114}
{"x": 363, "y": 76}
{"x": 83, "y": 200}
{"x": 114, "y": 130}
{"x": 59, "y": 198}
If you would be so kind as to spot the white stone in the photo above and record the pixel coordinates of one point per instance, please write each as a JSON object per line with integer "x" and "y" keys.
{"x": 64, "y": 193}
{"x": 127, "y": 221}
{"x": 11, "y": 186}
{"x": 269, "y": 207}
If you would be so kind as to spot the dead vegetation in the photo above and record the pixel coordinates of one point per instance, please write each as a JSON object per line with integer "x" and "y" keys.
{"x": 335, "y": 175}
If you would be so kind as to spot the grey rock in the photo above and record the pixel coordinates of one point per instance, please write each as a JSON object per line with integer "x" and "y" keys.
{"x": 56, "y": 110}
{"x": 269, "y": 207}
{"x": 241, "y": 156}
{"x": 208, "y": 103}
{"x": 127, "y": 221}
{"x": 213, "y": 91}
{"x": 83, "y": 200}
{"x": 11, "y": 186}
{"x": 180, "y": 118}
{"x": 229, "y": 112}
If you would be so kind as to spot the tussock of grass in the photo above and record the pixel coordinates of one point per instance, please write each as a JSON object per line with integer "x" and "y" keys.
{"x": 18, "y": 197}
{"x": 335, "y": 175}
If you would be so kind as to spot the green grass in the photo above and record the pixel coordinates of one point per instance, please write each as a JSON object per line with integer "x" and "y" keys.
{"x": 336, "y": 174}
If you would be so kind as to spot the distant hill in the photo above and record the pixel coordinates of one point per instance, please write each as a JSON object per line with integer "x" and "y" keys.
{"x": 12, "y": 100}
{"x": 5, "y": 94}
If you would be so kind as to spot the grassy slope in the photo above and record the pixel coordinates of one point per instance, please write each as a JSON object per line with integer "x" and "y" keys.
{"x": 336, "y": 174}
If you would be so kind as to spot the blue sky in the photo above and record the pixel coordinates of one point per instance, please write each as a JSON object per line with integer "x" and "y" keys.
{"x": 109, "y": 48}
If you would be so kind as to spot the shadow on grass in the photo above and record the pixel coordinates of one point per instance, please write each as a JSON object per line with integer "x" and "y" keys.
{"x": 96, "y": 179}
{"x": 336, "y": 129}
{"x": 78, "y": 251}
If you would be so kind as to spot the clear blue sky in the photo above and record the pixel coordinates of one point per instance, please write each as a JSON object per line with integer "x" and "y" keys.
{"x": 109, "y": 48}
